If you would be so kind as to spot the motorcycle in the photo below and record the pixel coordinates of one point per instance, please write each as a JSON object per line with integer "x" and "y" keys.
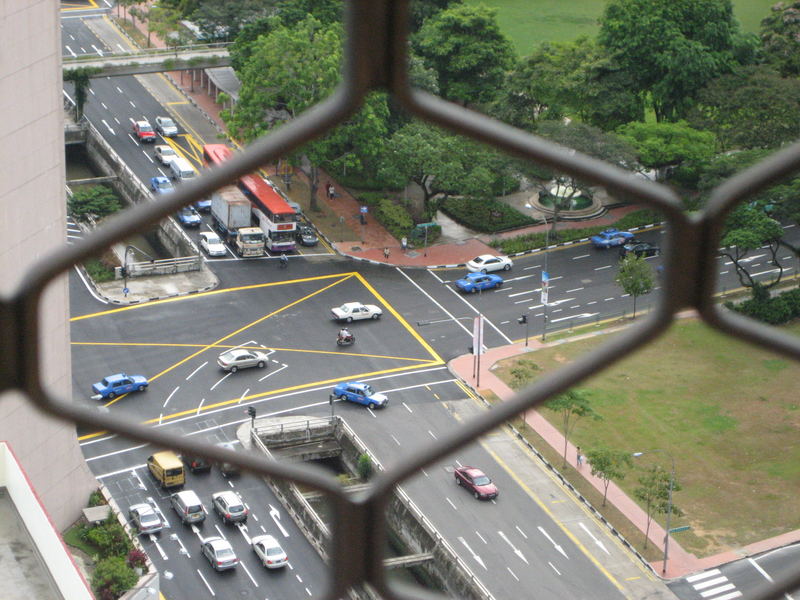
{"x": 346, "y": 340}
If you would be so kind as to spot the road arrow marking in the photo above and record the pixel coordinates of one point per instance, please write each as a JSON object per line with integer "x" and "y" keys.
{"x": 276, "y": 516}
{"x": 552, "y": 541}
{"x": 472, "y": 552}
{"x": 596, "y": 541}
{"x": 516, "y": 550}
{"x": 580, "y": 316}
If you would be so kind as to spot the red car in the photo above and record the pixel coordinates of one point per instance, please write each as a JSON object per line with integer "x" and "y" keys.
{"x": 477, "y": 482}
{"x": 144, "y": 131}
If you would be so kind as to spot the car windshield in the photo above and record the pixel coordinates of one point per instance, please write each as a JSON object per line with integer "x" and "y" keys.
{"x": 235, "y": 508}
{"x": 274, "y": 551}
{"x": 213, "y": 239}
{"x": 165, "y": 122}
{"x": 482, "y": 480}
{"x": 145, "y": 128}
{"x": 163, "y": 185}
{"x": 167, "y": 151}
{"x": 224, "y": 552}
{"x": 368, "y": 391}
{"x": 149, "y": 518}
{"x": 478, "y": 260}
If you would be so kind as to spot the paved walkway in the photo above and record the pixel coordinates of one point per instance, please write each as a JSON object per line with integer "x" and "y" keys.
{"x": 374, "y": 239}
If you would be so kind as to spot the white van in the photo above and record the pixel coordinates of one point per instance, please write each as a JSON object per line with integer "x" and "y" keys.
{"x": 181, "y": 170}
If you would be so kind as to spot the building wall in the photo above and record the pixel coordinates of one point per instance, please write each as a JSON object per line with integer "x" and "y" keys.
{"x": 33, "y": 211}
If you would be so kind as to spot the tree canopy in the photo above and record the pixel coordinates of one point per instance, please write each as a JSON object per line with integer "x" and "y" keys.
{"x": 635, "y": 277}
{"x": 469, "y": 53}
{"x": 224, "y": 20}
{"x": 780, "y": 38}
{"x": 573, "y": 405}
{"x": 670, "y": 49}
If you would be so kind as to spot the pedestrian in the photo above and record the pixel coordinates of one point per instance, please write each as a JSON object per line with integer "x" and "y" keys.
{"x": 404, "y": 244}
{"x": 578, "y": 456}
{"x": 331, "y": 191}
{"x": 386, "y": 253}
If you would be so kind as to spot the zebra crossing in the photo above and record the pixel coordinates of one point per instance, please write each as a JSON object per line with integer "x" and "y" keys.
{"x": 713, "y": 585}
{"x": 74, "y": 232}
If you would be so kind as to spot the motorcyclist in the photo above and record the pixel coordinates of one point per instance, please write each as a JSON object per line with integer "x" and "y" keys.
{"x": 344, "y": 334}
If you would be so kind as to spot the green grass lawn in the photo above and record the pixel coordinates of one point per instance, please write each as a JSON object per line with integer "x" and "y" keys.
{"x": 727, "y": 412}
{"x": 530, "y": 22}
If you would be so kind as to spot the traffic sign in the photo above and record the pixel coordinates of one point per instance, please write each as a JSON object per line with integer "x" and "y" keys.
{"x": 681, "y": 528}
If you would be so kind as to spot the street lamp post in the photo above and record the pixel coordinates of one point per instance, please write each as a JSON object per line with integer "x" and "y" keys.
{"x": 669, "y": 501}
{"x": 545, "y": 272}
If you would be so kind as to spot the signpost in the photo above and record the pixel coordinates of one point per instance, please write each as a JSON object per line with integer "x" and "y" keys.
{"x": 477, "y": 347}
{"x": 545, "y": 290}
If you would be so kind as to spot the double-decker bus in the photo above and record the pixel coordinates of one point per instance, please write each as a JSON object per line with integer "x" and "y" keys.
{"x": 270, "y": 211}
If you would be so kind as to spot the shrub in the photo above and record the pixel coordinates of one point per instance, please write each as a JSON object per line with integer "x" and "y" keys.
{"x": 488, "y": 215}
{"x": 773, "y": 310}
{"x": 425, "y": 235}
{"x": 110, "y": 538}
{"x": 112, "y": 578}
{"x": 96, "y": 498}
{"x": 365, "y": 467}
{"x": 97, "y": 201}
{"x": 137, "y": 558}
{"x": 394, "y": 217}
{"x": 98, "y": 270}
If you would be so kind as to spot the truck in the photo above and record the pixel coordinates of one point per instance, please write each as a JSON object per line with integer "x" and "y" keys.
{"x": 230, "y": 211}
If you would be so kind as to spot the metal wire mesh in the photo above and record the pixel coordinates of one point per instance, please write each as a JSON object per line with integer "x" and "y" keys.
{"x": 376, "y": 61}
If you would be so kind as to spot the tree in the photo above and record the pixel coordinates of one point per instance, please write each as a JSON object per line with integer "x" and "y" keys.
{"x": 573, "y": 405}
{"x": 165, "y": 23}
{"x": 653, "y": 492}
{"x": 95, "y": 201}
{"x": 223, "y": 20}
{"x": 747, "y": 229}
{"x": 242, "y": 47}
{"x": 608, "y": 464}
{"x": 670, "y": 49}
{"x": 291, "y": 12}
{"x": 112, "y": 577}
{"x": 663, "y": 146}
{"x": 635, "y": 277}
{"x": 466, "y": 48}
{"x": 753, "y": 107}
{"x": 80, "y": 78}
{"x": 780, "y": 38}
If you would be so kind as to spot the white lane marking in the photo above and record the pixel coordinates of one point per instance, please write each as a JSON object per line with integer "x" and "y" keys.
{"x": 512, "y": 573}
{"x": 246, "y": 570}
{"x": 123, "y": 50}
{"x": 199, "y": 406}
{"x": 129, "y": 449}
{"x": 704, "y": 575}
{"x": 718, "y": 590}
{"x": 196, "y": 370}
{"x": 170, "y": 397}
{"x": 427, "y": 295}
{"x": 103, "y": 104}
{"x": 596, "y": 541}
{"x": 396, "y": 441}
{"x": 276, "y": 516}
{"x": 758, "y": 568}
{"x": 103, "y": 121}
{"x": 244, "y": 395}
{"x": 711, "y": 582}
{"x": 431, "y": 434}
{"x": 273, "y": 372}
{"x": 71, "y": 51}
{"x": 477, "y": 558}
{"x": 729, "y": 596}
{"x": 224, "y": 377}
{"x": 131, "y": 103}
{"x": 580, "y": 316}
{"x": 552, "y": 566}
{"x": 592, "y": 302}
{"x": 581, "y": 256}
{"x": 533, "y": 267}
{"x": 408, "y": 408}
{"x": 121, "y": 92}
{"x": 516, "y": 550}
{"x": 450, "y": 502}
{"x": 478, "y": 533}
{"x": 522, "y": 533}
{"x": 521, "y": 293}
{"x": 601, "y": 268}
{"x": 574, "y": 290}
{"x": 206, "y": 582}
{"x": 607, "y": 299}
{"x": 96, "y": 49}
{"x": 552, "y": 541}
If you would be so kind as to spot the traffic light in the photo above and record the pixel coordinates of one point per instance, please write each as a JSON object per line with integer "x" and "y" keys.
{"x": 523, "y": 319}
{"x": 251, "y": 411}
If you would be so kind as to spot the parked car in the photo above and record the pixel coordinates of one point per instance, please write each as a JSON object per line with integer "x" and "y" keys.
{"x": 242, "y": 358}
{"x": 477, "y": 482}
{"x": 144, "y": 131}
{"x": 161, "y": 185}
{"x": 212, "y": 244}
{"x": 354, "y": 311}
{"x": 306, "y": 236}
{"x": 639, "y": 249}
{"x": 360, "y": 393}
{"x": 477, "y": 282}
{"x": 166, "y": 127}
{"x": 196, "y": 464}
{"x": 164, "y": 154}
{"x": 269, "y": 552}
{"x": 114, "y": 385}
{"x": 611, "y": 237}
{"x": 219, "y": 553}
{"x": 188, "y": 217}
{"x": 486, "y": 263}
{"x": 229, "y": 506}
{"x": 145, "y": 519}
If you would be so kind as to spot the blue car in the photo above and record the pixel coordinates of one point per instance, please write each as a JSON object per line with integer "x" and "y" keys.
{"x": 161, "y": 185}
{"x": 188, "y": 217}
{"x": 202, "y": 206}
{"x": 114, "y": 385}
{"x": 609, "y": 238}
{"x": 477, "y": 282}
{"x": 360, "y": 393}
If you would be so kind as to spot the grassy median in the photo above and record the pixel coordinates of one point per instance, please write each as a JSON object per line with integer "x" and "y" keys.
{"x": 728, "y": 413}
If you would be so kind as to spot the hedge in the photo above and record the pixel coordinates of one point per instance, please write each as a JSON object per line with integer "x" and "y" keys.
{"x": 488, "y": 216}
{"x": 773, "y": 310}
{"x": 394, "y": 217}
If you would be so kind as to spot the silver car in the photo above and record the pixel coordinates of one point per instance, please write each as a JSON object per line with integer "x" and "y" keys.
{"x": 242, "y": 358}
{"x": 166, "y": 126}
{"x": 145, "y": 518}
{"x": 229, "y": 506}
{"x": 219, "y": 553}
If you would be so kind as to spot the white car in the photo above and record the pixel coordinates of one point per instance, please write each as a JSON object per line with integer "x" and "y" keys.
{"x": 269, "y": 552}
{"x": 486, "y": 263}
{"x": 210, "y": 242}
{"x": 219, "y": 553}
{"x": 353, "y": 311}
{"x": 164, "y": 154}
{"x": 241, "y": 358}
{"x": 166, "y": 127}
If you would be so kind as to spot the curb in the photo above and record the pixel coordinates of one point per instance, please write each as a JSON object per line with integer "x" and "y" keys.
{"x": 131, "y": 302}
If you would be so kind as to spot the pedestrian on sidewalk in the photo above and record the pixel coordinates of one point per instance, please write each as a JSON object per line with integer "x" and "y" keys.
{"x": 404, "y": 244}
{"x": 386, "y": 254}
{"x": 578, "y": 456}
